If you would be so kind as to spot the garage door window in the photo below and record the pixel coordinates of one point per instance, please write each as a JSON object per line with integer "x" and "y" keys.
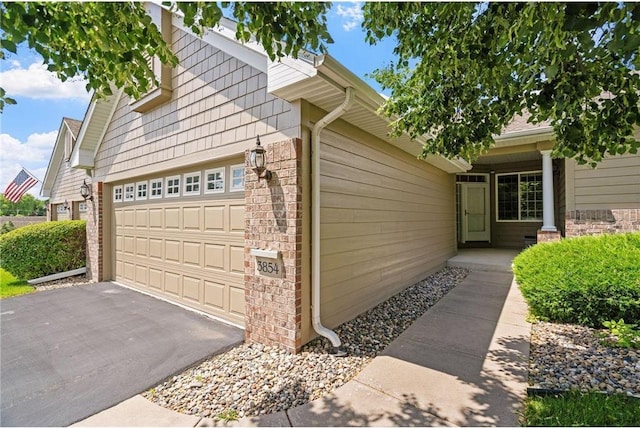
{"x": 117, "y": 194}
{"x": 129, "y": 192}
{"x": 215, "y": 180}
{"x": 173, "y": 186}
{"x": 156, "y": 188}
{"x": 237, "y": 178}
{"x": 141, "y": 191}
{"x": 192, "y": 184}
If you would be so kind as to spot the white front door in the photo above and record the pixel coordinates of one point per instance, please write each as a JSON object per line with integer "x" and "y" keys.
{"x": 475, "y": 212}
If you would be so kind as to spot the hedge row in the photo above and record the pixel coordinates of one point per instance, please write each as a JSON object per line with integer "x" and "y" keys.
{"x": 42, "y": 249}
{"x": 586, "y": 280}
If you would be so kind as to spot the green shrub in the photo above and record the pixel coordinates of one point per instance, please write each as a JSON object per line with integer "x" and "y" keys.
{"x": 586, "y": 280}
{"x": 7, "y": 226}
{"x": 42, "y": 249}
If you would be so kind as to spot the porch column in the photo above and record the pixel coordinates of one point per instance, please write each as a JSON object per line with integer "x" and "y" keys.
{"x": 548, "y": 222}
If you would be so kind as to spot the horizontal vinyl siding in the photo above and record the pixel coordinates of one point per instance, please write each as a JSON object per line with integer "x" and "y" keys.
{"x": 387, "y": 221}
{"x": 613, "y": 184}
{"x": 219, "y": 105}
{"x": 67, "y": 184}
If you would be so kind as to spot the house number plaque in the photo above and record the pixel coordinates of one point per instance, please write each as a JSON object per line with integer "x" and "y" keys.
{"x": 268, "y": 263}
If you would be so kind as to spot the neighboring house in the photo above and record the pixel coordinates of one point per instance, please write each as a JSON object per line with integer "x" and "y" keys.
{"x": 178, "y": 213}
{"x": 61, "y": 182}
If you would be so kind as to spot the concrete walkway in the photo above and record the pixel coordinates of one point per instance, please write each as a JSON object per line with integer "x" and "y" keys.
{"x": 463, "y": 363}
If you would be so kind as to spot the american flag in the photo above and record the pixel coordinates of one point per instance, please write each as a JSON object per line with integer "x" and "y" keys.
{"x": 18, "y": 187}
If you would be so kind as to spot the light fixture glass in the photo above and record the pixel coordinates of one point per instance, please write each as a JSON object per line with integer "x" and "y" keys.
{"x": 85, "y": 191}
{"x": 258, "y": 160}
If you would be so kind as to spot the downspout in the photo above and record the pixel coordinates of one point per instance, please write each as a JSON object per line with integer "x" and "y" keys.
{"x": 315, "y": 221}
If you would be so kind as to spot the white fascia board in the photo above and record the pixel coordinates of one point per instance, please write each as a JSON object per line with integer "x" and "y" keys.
{"x": 546, "y": 131}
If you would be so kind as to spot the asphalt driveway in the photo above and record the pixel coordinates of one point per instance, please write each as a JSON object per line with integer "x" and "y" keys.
{"x": 67, "y": 354}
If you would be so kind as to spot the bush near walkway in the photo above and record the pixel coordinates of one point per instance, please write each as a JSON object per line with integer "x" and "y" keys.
{"x": 45, "y": 248}
{"x": 586, "y": 280}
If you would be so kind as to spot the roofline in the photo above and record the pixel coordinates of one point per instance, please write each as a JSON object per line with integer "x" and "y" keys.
{"x": 52, "y": 170}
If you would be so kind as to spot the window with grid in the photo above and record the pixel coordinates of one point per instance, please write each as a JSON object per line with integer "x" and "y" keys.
{"x": 237, "y": 178}
{"x": 117, "y": 194}
{"x": 519, "y": 196}
{"x": 192, "y": 184}
{"x": 214, "y": 180}
{"x": 173, "y": 186}
{"x": 141, "y": 191}
{"x": 82, "y": 207}
{"x": 129, "y": 192}
{"x": 155, "y": 188}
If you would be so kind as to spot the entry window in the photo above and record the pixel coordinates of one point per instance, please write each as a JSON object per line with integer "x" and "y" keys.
{"x": 519, "y": 196}
{"x": 61, "y": 209}
{"x": 82, "y": 207}
{"x": 155, "y": 188}
{"x": 141, "y": 191}
{"x": 173, "y": 186}
{"x": 237, "y": 178}
{"x": 117, "y": 194}
{"x": 129, "y": 192}
{"x": 192, "y": 184}
{"x": 215, "y": 180}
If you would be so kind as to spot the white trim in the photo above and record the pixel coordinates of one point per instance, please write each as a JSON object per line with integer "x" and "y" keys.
{"x": 128, "y": 197}
{"x": 220, "y": 170}
{"x": 269, "y": 254}
{"x": 198, "y": 183}
{"x": 116, "y": 193}
{"x": 167, "y": 187}
{"x": 519, "y": 220}
{"x": 146, "y": 191}
{"x": 232, "y": 168}
{"x": 151, "y": 183}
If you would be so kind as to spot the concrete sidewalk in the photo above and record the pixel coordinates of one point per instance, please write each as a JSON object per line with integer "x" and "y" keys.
{"x": 463, "y": 363}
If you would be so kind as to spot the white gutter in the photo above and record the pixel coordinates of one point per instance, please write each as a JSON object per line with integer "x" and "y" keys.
{"x": 315, "y": 220}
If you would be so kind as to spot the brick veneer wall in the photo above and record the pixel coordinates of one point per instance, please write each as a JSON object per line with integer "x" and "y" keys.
{"x": 596, "y": 222}
{"x": 273, "y": 220}
{"x": 95, "y": 253}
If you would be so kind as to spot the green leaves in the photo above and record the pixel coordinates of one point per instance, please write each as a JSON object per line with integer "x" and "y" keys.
{"x": 465, "y": 69}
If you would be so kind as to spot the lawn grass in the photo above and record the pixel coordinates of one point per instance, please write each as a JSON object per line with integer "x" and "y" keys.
{"x": 582, "y": 409}
{"x": 10, "y": 286}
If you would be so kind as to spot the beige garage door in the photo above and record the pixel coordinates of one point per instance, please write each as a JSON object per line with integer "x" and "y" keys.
{"x": 188, "y": 252}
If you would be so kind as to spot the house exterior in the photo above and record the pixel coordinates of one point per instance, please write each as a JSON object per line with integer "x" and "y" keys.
{"x": 349, "y": 217}
{"x": 61, "y": 182}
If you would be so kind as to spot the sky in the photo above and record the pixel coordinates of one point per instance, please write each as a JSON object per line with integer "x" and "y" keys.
{"x": 28, "y": 130}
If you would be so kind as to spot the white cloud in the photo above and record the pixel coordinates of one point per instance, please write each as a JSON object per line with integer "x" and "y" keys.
{"x": 351, "y": 16}
{"x": 39, "y": 83}
{"x": 33, "y": 154}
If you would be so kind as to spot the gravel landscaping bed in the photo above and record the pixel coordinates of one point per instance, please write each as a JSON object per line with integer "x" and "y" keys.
{"x": 70, "y": 281}
{"x": 256, "y": 379}
{"x": 567, "y": 356}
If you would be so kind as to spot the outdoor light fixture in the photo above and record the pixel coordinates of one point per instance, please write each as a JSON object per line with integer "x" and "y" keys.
{"x": 85, "y": 191}
{"x": 65, "y": 205}
{"x": 258, "y": 161}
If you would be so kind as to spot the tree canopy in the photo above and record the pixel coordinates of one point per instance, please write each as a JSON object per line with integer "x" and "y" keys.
{"x": 26, "y": 206}
{"x": 462, "y": 71}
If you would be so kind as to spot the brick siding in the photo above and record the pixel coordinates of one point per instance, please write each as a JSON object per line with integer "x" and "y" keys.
{"x": 95, "y": 250}
{"x": 597, "y": 222}
{"x": 273, "y": 220}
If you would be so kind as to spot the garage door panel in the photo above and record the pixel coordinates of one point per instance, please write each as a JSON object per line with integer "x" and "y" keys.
{"x": 172, "y": 218}
{"x": 214, "y": 295}
{"x": 214, "y": 218}
{"x": 236, "y": 214}
{"x": 191, "y": 289}
{"x": 141, "y": 218}
{"x": 236, "y": 301}
{"x": 237, "y": 260}
{"x": 172, "y": 251}
{"x": 172, "y": 283}
{"x": 191, "y": 252}
{"x": 214, "y": 256}
{"x": 191, "y": 216}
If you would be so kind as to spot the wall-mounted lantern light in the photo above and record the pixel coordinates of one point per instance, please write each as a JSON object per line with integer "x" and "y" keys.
{"x": 258, "y": 161}
{"x": 85, "y": 191}
{"x": 65, "y": 205}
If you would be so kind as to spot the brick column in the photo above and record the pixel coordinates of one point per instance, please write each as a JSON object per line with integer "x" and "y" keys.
{"x": 273, "y": 221}
{"x": 95, "y": 229}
